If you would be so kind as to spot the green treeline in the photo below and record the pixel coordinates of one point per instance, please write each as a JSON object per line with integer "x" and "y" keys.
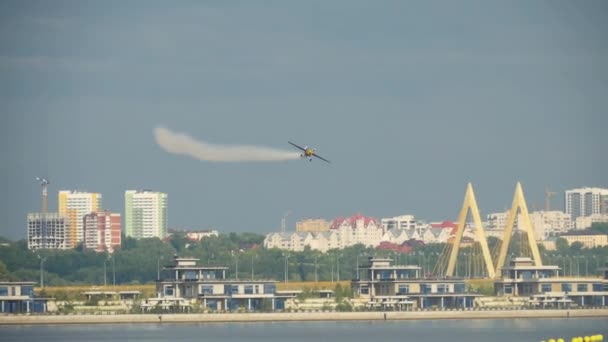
{"x": 138, "y": 260}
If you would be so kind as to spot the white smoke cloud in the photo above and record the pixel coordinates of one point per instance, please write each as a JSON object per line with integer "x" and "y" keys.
{"x": 181, "y": 143}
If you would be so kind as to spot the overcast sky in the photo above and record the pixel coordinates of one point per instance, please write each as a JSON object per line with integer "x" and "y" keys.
{"x": 409, "y": 100}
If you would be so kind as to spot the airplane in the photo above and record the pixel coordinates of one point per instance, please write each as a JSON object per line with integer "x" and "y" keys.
{"x": 308, "y": 152}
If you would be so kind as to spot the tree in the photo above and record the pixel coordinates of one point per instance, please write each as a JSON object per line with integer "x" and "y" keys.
{"x": 576, "y": 247}
{"x": 561, "y": 245}
{"x": 599, "y": 227}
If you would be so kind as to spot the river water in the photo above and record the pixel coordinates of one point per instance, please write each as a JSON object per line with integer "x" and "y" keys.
{"x": 495, "y": 330}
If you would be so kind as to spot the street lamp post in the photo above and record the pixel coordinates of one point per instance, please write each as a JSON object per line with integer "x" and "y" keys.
{"x": 237, "y": 265}
{"x": 158, "y": 267}
{"x": 357, "y": 266}
{"x": 104, "y": 272}
{"x": 338, "y": 266}
{"x": 113, "y": 271}
{"x": 286, "y": 267}
{"x": 252, "y": 257}
{"x": 42, "y": 260}
{"x": 316, "y": 274}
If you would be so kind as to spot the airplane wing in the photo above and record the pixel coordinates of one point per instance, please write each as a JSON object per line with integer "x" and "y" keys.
{"x": 323, "y": 159}
{"x": 301, "y": 148}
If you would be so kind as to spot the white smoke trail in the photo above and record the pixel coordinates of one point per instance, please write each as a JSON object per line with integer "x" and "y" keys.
{"x": 180, "y": 143}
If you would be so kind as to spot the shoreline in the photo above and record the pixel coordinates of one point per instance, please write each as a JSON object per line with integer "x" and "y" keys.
{"x": 295, "y": 317}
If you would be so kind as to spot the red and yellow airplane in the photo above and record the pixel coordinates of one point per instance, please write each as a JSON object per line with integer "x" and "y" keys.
{"x": 308, "y": 152}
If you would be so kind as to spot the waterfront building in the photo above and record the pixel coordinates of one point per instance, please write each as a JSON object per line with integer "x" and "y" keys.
{"x": 586, "y": 202}
{"x": 387, "y": 286}
{"x": 312, "y": 225}
{"x": 187, "y": 283}
{"x": 589, "y": 239}
{"x": 544, "y": 286}
{"x": 18, "y": 297}
{"x": 145, "y": 214}
{"x": 74, "y": 205}
{"x": 47, "y": 231}
{"x": 102, "y": 231}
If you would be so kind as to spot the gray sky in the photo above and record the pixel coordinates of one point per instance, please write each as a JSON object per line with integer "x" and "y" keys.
{"x": 409, "y": 100}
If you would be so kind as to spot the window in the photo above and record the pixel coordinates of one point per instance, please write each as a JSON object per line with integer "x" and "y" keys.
{"x": 190, "y": 275}
{"x": 459, "y": 288}
{"x": 27, "y": 291}
{"x": 208, "y": 275}
{"x": 545, "y": 288}
{"x": 508, "y": 289}
{"x": 234, "y": 289}
{"x": 248, "y": 289}
{"x": 169, "y": 292}
{"x": 3, "y": 291}
{"x": 385, "y": 275}
{"x": 270, "y": 288}
{"x": 567, "y": 287}
{"x": 442, "y": 288}
{"x": 581, "y": 288}
{"x": 404, "y": 289}
{"x": 425, "y": 288}
{"x": 364, "y": 289}
{"x": 597, "y": 287}
{"x": 207, "y": 289}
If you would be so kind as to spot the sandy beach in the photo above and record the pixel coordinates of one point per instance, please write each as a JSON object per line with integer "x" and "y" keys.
{"x": 300, "y": 316}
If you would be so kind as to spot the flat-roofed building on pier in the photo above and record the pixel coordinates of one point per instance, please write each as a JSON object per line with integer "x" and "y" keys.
{"x": 545, "y": 287}
{"x": 188, "y": 283}
{"x": 401, "y": 288}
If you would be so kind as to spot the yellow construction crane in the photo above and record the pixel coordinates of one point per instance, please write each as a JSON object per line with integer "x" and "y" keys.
{"x": 548, "y": 195}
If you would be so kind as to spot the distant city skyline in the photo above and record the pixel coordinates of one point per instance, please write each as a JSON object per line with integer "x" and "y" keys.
{"x": 409, "y": 101}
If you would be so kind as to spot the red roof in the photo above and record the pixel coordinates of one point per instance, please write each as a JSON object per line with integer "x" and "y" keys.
{"x": 351, "y": 221}
{"x": 444, "y": 224}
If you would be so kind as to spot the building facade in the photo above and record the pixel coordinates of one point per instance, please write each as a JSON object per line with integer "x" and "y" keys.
{"x": 199, "y": 235}
{"x": 586, "y": 202}
{"x": 343, "y": 232}
{"x": 589, "y": 239}
{"x": 312, "y": 225}
{"x": 544, "y": 223}
{"x": 48, "y": 231}
{"x": 585, "y": 222}
{"x": 102, "y": 231}
{"x": 74, "y": 205}
{"x": 145, "y": 214}
{"x": 404, "y": 222}
{"x": 549, "y": 223}
{"x": 393, "y": 287}
{"x": 544, "y": 286}
{"x": 187, "y": 283}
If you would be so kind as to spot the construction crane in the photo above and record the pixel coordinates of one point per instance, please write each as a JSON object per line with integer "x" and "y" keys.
{"x": 548, "y": 195}
{"x": 284, "y": 221}
{"x": 44, "y": 184}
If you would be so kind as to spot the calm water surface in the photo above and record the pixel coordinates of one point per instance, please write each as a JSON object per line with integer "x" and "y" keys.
{"x": 495, "y": 330}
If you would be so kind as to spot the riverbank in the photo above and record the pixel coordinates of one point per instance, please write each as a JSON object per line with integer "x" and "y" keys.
{"x": 298, "y": 316}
